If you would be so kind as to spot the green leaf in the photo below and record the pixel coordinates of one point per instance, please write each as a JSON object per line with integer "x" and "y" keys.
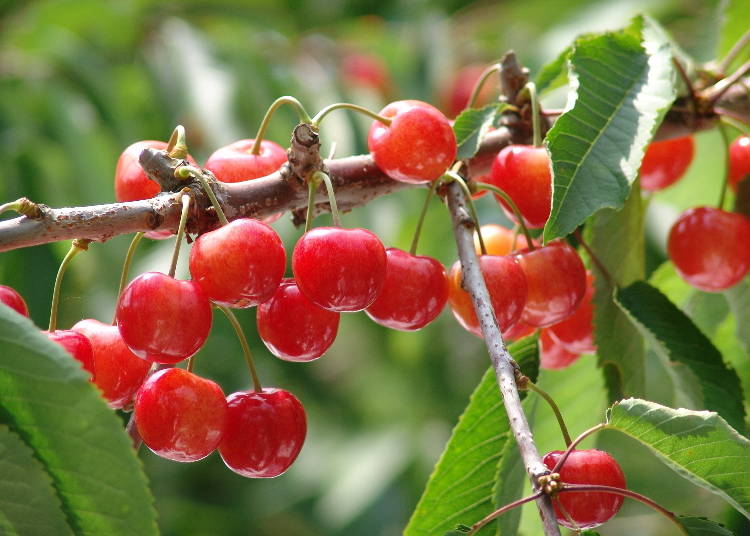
{"x": 699, "y": 445}
{"x": 739, "y": 302}
{"x": 47, "y": 400}
{"x": 672, "y": 333}
{"x": 471, "y": 126}
{"x": 589, "y": 533}
{"x": 622, "y": 86}
{"x": 461, "y": 486}
{"x": 700, "y": 526}
{"x": 551, "y": 75}
{"x": 28, "y": 502}
{"x": 736, "y": 14}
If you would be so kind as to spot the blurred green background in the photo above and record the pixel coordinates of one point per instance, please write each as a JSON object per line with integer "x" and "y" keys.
{"x": 82, "y": 79}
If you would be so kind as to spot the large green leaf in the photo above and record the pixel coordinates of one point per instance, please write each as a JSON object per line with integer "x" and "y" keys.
{"x": 622, "y": 84}
{"x": 46, "y": 399}
{"x": 460, "y": 489}
{"x": 673, "y": 334}
{"x": 700, "y": 526}
{"x": 470, "y": 127}
{"x": 698, "y": 445}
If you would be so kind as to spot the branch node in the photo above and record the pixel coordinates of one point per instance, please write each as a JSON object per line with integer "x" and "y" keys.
{"x": 304, "y": 152}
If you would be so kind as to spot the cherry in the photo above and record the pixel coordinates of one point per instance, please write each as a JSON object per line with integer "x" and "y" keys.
{"x": 519, "y": 330}
{"x": 10, "y": 297}
{"x": 665, "y": 162}
{"x": 709, "y": 247}
{"x": 575, "y": 333}
{"x": 523, "y": 172}
{"x": 499, "y": 240}
{"x": 179, "y": 415}
{"x": 457, "y": 93}
{"x": 414, "y": 293}
{"x": 418, "y": 145}
{"x": 339, "y": 269}
{"x": 294, "y": 328}
{"x": 162, "y": 319}
{"x": 77, "y": 345}
{"x": 506, "y": 285}
{"x": 239, "y": 264}
{"x": 365, "y": 70}
{"x": 119, "y": 372}
{"x": 552, "y": 354}
{"x": 739, "y": 160}
{"x": 556, "y": 280}
{"x": 588, "y": 509}
{"x": 264, "y": 432}
{"x": 235, "y": 162}
{"x": 131, "y": 182}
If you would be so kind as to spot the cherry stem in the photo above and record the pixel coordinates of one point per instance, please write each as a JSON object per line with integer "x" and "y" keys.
{"x": 626, "y": 493}
{"x": 733, "y": 120}
{"x": 192, "y": 171}
{"x": 257, "y": 387}
{"x": 304, "y": 117}
{"x": 735, "y": 50}
{"x": 348, "y": 106}
{"x": 513, "y": 207}
{"x": 566, "y": 514}
{"x": 476, "y": 527}
{"x": 688, "y": 84}
{"x": 536, "y": 124}
{"x": 319, "y": 176}
{"x": 599, "y": 264}
{"x": 312, "y": 186}
{"x": 455, "y": 177}
{"x": 725, "y": 178}
{"x": 126, "y": 265}
{"x": 555, "y": 409}
{"x": 78, "y": 245}
{"x": 190, "y": 364}
{"x": 23, "y": 206}
{"x": 722, "y": 86}
{"x": 575, "y": 443}
{"x": 489, "y": 71}
{"x": 180, "y": 234}
{"x": 425, "y": 206}
{"x": 177, "y": 146}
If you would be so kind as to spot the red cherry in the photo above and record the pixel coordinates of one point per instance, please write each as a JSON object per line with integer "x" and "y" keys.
{"x": 294, "y": 328}
{"x": 264, "y": 432}
{"x": 552, "y": 355}
{"x": 709, "y": 247}
{"x": 339, "y": 269}
{"x": 162, "y": 319}
{"x": 665, "y": 162}
{"x": 131, "y": 182}
{"x": 557, "y": 283}
{"x": 519, "y": 330}
{"x": 365, "y": 70}
{"x": 239, "y": 264}
{"x": 499, "y": 240}
{"x": 506, "y": 285}
{"x": 418, "y": 145}
{"x": 575, "y": 333}
{"x": 77, "y": 345}
{"x": 739, "y": 160}
{"x": 588, "y": 509}
{"x": 119, "y": 372}
{"x": 179, "y": 415}
{"x": 523, "y": 172}
{"x": 14, "y": 300}
{"x": 457, "y": 93}
{"x": 235, "y": 162}
{"x": 414, "y": 293}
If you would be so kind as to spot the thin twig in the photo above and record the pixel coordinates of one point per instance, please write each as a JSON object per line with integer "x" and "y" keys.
{"x": 734, "y": 51}
{"x": 476, "y": 527}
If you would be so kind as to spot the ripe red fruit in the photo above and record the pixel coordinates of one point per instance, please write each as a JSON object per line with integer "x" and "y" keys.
{"x": 119, "y": 372}
{"x": 665, "y": 162}
{"x": 709, "y": 247}
{"x": 162, "y": 319}
{"x": 739, "y": 160}
{"x": 556, "y": 280}
{"x": 179, "y": 415}
{"x": 523, "y": 172}
{"x": 457, "y": 93}
{"x": 519, "y": 330}
{"x": 78, "y": 346}
{"x": 292, "y": 327}
{"x": 339, "y": 269}
{"x": 506, "y": 285}
{"x": 588, "y": 509}
{"x": 13, "y": 299}
{"x": 131, "y": 182}
{"x": 575, "y": 333}
{"x": 239, "y": 264}
{"x": 414, "y": 293}
{"x": 552, "y": 355}
{"x": 264, "y": 432}
{"x": 365, "y": 70}
{"x": 235, "y": 162}
{"x": 418, "y": 145}
{"x": 499, "y": 240}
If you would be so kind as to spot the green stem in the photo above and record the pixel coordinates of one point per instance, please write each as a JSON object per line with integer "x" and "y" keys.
{"x": 348, "y": 106}
{"x": 555, "y": 409}
{"x": 566, "y": 515}
{"x": 320, "y": 176}
{"x": 180, "y": 234}
{"x": 725, "y": 179}
{"x": 192, "y": 171}
{"x": 489, "y": 71}
{"x": 575, "y": 443}
{"x": 177, "y": 146}
{"x": 126, "y": 265}
{"x": 312, "y": 186}
{"x": 513, "y": 207}
{"x": 75, "y": 248}
{"x": 735, "y": 50}
{"x": 425, "y": 206}
{"x": 301, "y": 113}
{"x": 257, "y": 387}
{"x": 476, "y": 527}
{"x": 23, "y": 206}
{"x": 452, "y": 175}
{"x": 536, "y": 124}
{"x": 190, "y": 363}
{"x": 722, "y": 86}
{"x": 737, "y": 124}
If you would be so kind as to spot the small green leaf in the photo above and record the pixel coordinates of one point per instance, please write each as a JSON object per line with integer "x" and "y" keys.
{"x": 471, "y": 126}
{"x": 673, "y": 334}
{"x": 699, "y": 445}
{"x": 700, "y": 526}
{"x": 551, "y": 75}
{"x": 589, "y": 533}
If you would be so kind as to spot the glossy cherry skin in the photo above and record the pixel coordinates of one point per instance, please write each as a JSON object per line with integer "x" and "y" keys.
{"x": 77, "y": 345}
{"x": 339, "y": 269}
{"x": 14, "y": 300}
{"x": 709, "y": 248}
{"x": 179, "y": 415}
{"x": 235, "y": 162}
{"x": 588, "y": 509}
{"x": 523, "y": 172}
{"x": 239, "y": 264}
{"x": 162, "y": 319}
{"x": 119, "y": 372}
{"x": 414, "y": 293}
{"x": 131, "y": 182}
{"x": 556, "y": 279}
{"x": 552, "y": 355}
{"x": 506, "y": 285}
{"x": 499, "y": 240}
{"x": 264, "y": 432}
{"x": 519, "y": 330}
{"x": 292, "y": 327}
{"x": 576, "y": 333}
{"x": 418, "y": 145}
{"x": 665, "y": 162}
{"x": 739, "y": 160}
